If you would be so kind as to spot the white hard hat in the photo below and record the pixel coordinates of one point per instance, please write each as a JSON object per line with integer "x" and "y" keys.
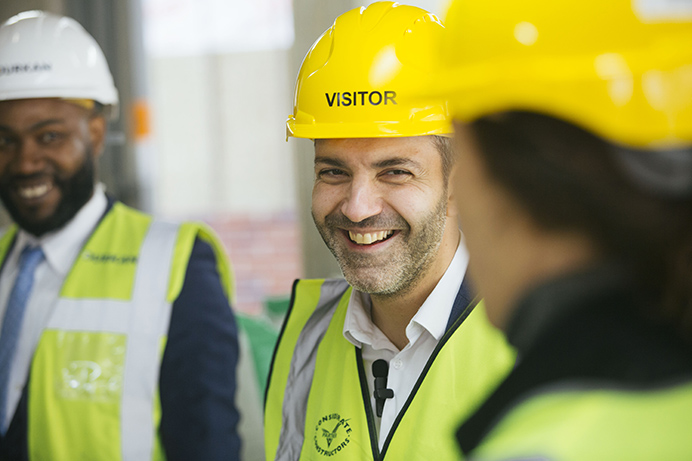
{"x": 43, "y": 55}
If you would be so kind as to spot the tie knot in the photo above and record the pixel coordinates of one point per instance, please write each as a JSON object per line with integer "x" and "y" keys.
{"x": 30, "y": 256}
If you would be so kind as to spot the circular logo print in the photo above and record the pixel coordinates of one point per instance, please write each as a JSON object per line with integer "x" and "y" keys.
{"x": 332, "y": 434}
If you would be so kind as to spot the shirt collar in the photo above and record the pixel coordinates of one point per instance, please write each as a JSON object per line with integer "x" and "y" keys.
{"x": 61, "y": 247}
{"x": 358, "y": 326}
{"x": 432, "y": 316}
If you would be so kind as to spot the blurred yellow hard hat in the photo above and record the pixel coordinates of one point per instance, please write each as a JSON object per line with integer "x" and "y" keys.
{"x": 621, "y": 69}
{"x": 357, "y": 78}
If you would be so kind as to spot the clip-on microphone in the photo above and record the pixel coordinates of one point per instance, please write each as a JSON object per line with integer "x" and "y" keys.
{"x": 380, "y": 368}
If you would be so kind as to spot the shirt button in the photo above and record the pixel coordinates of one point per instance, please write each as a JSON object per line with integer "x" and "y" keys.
{"x": 397, "y": 364}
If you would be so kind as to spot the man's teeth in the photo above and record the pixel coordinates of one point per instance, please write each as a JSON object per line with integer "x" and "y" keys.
{"x": 368, "y": 238}
{"x": 34, "y": 191}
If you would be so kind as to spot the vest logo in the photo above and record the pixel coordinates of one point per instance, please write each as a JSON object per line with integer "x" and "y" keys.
{"x": 109, "y": 258}
{"x": 87, "y": 380}
{"x": 362, "y": 98}
{"x": 10, "y": 69}
{"x": 332, "y": 434}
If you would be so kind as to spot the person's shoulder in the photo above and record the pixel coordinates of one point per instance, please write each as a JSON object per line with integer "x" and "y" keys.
{"x": 121, "y": 208}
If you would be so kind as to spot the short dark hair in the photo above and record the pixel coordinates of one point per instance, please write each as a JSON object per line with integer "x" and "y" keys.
{"x": 444, "y": 147}
{"x": 570, "y": 179}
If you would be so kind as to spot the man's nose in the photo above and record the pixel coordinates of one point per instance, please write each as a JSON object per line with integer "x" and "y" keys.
{"x": 362, "y": 202}
{"x": 29, "y": 158}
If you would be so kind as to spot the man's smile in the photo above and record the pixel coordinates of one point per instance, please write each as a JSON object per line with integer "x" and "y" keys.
{"x": 34, "y": 191}
{"x": 368, "y": 238}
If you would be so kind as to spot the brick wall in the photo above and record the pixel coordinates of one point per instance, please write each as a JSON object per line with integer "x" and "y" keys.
{"x": 266, "y": 255}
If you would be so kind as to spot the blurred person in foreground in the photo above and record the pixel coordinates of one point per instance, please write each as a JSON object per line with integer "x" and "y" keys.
{"x": 574, "y": 157}
{"x": 384, "y": 363}
{"x": 117, "y": 338}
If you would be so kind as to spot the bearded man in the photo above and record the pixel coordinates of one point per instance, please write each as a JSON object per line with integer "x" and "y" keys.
{"x": 117, "y": 339}
{"x": 384, "y": 364}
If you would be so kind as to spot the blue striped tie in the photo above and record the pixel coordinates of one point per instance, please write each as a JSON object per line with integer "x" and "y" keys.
{"x": 12, "y": 323}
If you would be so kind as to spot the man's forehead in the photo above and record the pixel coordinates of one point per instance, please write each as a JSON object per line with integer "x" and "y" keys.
{"x": 37, "y": 109}
{"x": 374, "y": 150}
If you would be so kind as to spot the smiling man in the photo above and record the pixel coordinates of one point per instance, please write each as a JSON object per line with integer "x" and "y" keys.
{"x": 386, "y": 363}
{"x": 380, "y": 205}
{"x": 117, "y": 339}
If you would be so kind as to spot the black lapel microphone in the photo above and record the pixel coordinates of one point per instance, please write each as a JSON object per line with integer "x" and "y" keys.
{"x": 380, "y": 368}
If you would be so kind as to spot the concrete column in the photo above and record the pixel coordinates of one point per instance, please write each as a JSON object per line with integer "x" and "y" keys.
{"x": 116, "y": 27}
{"x": 9, "y": 8}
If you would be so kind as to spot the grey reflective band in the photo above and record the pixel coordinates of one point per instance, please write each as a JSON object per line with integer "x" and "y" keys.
{"x": 98, "y": 315}
{"x": 663, "y": 172}
{"x": 149, "y": 323}
{"x": 145, "y": 320}
{"x": 302, "y": 370}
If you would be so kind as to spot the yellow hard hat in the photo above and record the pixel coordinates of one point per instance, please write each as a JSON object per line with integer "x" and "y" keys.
{"x": 621, "y": 69}
{"x": 357, "y": 78}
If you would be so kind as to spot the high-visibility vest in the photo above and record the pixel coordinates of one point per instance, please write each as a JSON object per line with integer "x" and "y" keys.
{"x": 93, "y": 389}
{"x": 597, "y": 424}
{"x": 318, "y": 402}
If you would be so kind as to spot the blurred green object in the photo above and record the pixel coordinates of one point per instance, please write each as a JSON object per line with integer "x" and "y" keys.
{"x": 262, "y": 331}
{"x": 262, "y": 335}
{"x": 277, "y": 306}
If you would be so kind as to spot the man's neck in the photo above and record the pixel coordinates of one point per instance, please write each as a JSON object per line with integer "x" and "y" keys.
{"x": 392, "y": 313}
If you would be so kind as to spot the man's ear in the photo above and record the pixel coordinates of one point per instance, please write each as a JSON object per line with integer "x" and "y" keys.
{"x": 97, "y": 133}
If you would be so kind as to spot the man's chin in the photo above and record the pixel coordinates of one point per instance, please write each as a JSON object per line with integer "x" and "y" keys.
{"x": 38, "y": 221}
{"x": 37, "y": 227}
{"x": 370, "y": 281}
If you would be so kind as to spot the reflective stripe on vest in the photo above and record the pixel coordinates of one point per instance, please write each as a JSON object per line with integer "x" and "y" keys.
{"x": 94, "y": 380}
{"x": 302, "y": 368}
{"x": 595, "y": 424}
{"x": 326, "y": 412}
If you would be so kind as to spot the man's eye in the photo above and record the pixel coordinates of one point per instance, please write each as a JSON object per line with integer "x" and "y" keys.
{"x": 331, "y": 173}
{"x": 50, "y": 137}
{"x": 397, "y": 173}
{"x": 6, "y": 141}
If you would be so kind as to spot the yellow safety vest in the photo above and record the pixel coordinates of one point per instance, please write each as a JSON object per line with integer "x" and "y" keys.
{"x": 595, "y": 425}
{"x": 318, "y": 403}
{"x": 93, "y": 391}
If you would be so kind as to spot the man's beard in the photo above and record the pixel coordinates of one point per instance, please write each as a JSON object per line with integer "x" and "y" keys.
{"x": 76, "y": 190}
{"x": 396, "y": 272}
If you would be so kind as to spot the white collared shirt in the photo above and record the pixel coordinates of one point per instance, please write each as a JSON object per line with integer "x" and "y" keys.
{"x": 424, "y": 331}
{"x": 61, "y": 249}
